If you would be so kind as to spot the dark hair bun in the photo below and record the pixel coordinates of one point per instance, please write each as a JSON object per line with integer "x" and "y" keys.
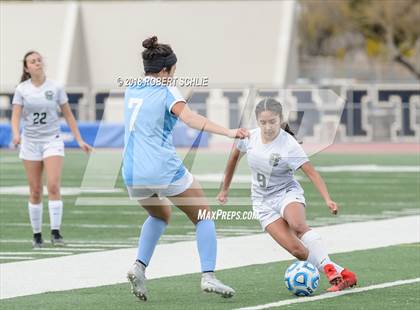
{"x": 150, "y": 42}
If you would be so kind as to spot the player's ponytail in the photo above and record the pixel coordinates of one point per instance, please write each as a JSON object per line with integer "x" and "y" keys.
{"x": 25, "y": 74}
{"x": 270, "y": 104}
{"x": 287, "y": 129}
{"x": 157, "y": 56}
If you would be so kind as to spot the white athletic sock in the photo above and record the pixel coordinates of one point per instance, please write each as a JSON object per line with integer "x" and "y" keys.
{"x": 35, "y": 216}
{"x": 55, "y": 207}
{"x": 338, "y": 267}
{"x": 318, "y": 255}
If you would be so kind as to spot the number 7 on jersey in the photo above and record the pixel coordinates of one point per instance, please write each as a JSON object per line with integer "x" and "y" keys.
{"x": 136, "y": 103}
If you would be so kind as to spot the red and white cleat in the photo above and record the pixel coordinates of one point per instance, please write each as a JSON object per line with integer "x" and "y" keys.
{"x": 332, "y": 274}
{"x": 347, "y": 279}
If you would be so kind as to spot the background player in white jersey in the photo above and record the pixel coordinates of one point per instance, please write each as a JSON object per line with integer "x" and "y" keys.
{"x": 273, "y": 156}
{"x": 37, "y": 100}
{"x": 152, "y": 168}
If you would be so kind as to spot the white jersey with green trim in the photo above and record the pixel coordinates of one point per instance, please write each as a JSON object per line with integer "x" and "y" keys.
{"x": 273, "y": 164}
{"x": 40, "y": 111}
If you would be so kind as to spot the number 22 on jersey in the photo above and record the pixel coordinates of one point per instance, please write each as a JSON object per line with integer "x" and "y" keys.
{"x": 39, "y": 118}
{"x": 136, "y": 103}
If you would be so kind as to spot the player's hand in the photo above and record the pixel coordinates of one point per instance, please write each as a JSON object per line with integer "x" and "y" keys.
{"x": 85, "y": 147}
{"x": 222, "y": 197}
{"x": 240, "y": 133}
{"x": 333, "y": 206}
{"x": 16, "y": 140}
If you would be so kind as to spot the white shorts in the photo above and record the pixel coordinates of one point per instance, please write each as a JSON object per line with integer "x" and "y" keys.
{"x": 272, "y": 208}
{"x": 173, "y": 189}
{"x": 35, "y": 150}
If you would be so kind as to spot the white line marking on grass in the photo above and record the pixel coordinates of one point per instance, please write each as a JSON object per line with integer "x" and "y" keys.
{"x": 65, "y": 191}
{"x": 109, "y": 212}
{"x": 299, "y": 300}
{"x": 70, "y": 249}
{"x": 239, "y": 230}
{"x": 78, "y": 245}
{"x": 16, "y": 257}
{"x": 108, "y": 226}
{"x": 102, "y": 190}
{"x": 101, "y": 243}
{"x": 368, "y": 168}
{"x": 361, "y": 181}
{"x": 36, "y": 252}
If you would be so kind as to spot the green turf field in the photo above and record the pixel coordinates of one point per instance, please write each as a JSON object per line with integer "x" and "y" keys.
{"x": 256, "y": 284}
{"x": 94, "y": 222}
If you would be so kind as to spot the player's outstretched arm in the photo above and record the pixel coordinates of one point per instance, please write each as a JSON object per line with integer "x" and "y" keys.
{"x": 71, "y": 121}
{"x": 319, "y": 183}
{"x": 200, "y": 122}
{"x": 232, "y": 163}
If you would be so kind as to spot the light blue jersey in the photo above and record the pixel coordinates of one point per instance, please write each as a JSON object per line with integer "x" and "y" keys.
{"x": 149, "y": 156}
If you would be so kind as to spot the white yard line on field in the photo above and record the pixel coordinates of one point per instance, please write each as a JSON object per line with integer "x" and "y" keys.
{"x": 368, "y": 168}
{"x": 64, "y": 248}
{"x": 16, "y": 257}
{"x": 81, "y": 243}
{"x": 74, "y": 225}
{"x": 110, "y": 267}
{"x": 37, "y": 252}
{"x": 81, "y": 246}
{"x": 330, "y": 295}
{"x": 65, "y": 191}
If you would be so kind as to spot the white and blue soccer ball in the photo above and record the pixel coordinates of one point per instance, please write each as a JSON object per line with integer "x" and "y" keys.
{"x": 301, "y": 278}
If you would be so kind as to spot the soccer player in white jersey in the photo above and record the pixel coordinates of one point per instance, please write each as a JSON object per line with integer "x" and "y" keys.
{"x": 37, "y": 100}
{"x": 273, "y": 156}
{"x": 153, "y": 172}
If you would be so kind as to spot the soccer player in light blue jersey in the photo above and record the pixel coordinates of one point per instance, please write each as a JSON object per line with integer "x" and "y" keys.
{"x": 155, "y": 175}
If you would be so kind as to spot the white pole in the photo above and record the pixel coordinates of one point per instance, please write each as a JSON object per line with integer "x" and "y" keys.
{"x": 67, "y": 44}
{"x": 284, "y": 42}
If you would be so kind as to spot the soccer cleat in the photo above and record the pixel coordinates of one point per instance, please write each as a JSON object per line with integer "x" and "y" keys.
{"x": 348, "y": 279}
{"x": 56, "y": 238}
{"x": 210, "y": 284}
{"x": 37, "y": 241}
{"x": 331, "y": 273}
{"x": 136, "y": 276}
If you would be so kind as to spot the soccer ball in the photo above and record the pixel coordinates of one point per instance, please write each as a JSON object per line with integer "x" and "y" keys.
{"x": 301, "y": 278}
